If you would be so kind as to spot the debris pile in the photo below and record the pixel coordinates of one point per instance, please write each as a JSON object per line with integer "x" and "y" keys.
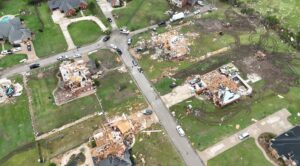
{"x": 76, "y": 81}
{"x": 117, "y": 136}
{"x": 222, "y": 86}
{"x": 8, "y": 89}
{"x": 171, "y": 45}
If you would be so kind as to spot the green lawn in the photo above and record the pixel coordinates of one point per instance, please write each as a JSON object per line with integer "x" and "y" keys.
{"x": 49, "y": 115}
{"x": 15, "y": 128}
{"x": 106, "y": 58}
{"x": 141, "y": 13}
{"x": 71, "y": 137}
{"x": 29, "y": 157}
{"x": 155, "y": 149}
{"x": 84, "y": 32}
{"x": 11, "y": 60}
{"x": 119, "y": 94}
{"x": 46, "y": 43}
{"x": 245, "y": 154}
{"x": 287, "y": 11}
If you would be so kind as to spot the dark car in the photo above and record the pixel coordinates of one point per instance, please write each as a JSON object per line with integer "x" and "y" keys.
{"x": 28, "y": 47}
{"x": 33, "y": 66}
{"x": 173, "y": 85}
{"x": 140, "y": 70}
{"x": 109, "y": 19}
{"x": 9, "y": 52}
{"x": 106, "y": 38}
{"x": 162, "y": 23}
{"x": 134, "y": 63}
{"x": 147, "y": 112}
{"x": 119, "y": 51}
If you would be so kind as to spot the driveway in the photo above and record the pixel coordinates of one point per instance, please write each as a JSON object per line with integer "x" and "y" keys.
{"x": 64, "y": 22}
{"x": 276, "y": 123}
{"x": 107, "y": 11}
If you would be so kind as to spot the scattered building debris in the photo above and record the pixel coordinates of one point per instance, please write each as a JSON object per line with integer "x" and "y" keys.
{"x": 222, "y": 86}
{"x": 76, "y": 81}
{"x": 8, "y": 89}
{"x": 117, "y": 136}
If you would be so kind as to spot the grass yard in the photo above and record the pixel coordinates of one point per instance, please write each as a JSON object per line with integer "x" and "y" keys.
{"x": 84, "y": 32}
{"x": 243, "y": 154}
{"x": 46, "y": 43}
{"x": 28, "y": 157}
{"x": 155, "y": 149}
{"x": 119, "y": 94}
{"x": 140, "y": 13}
{"x": 287, "y": 11}
{"x": 70, "y": 138}
{"x": 106, "y": 58}
{"x": 15, "y": 128}
{"x": 11, "y": 60}
{"x": 94, "y": 9}
{"x": 49, "y": 115}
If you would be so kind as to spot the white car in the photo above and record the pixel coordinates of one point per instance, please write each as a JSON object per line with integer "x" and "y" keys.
{"x": 77, "y": 55}
{"x": 124, "y": 31}
{"x": 244, "y": 135}
{"x": 113, "y": 46}
{"x": 16, "y": 49}
{"x": 180, "y": 131}
{"x": 129, "y": 41}
{"x": 197, "y": 11}
{"x": 4, "y": 52}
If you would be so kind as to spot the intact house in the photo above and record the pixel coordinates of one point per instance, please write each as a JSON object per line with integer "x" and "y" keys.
{"x": 67, "y": 6}
{"x": 183, "y": 3}
{"x": 14, "y": 31}
{"x": 287, "y": 147}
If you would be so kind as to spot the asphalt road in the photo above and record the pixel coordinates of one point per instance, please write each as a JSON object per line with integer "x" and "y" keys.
{"x": 190, "y": 157}
{"x": 182, "y": 145}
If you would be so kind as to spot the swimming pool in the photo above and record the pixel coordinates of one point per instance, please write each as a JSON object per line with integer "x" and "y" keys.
{"x": 6, "y": 18}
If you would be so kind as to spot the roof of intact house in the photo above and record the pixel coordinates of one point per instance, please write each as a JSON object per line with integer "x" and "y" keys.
{"x": 13, "y": 30}
{"x": 64, "y": 5}
{"x": 288, "y": 144}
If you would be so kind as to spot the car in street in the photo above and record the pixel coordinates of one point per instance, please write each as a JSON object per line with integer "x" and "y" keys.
{"x": 16, "y": 49}
{"x": 77, "y": 55}
{"x": 147, "y": 112}
{"x": 28, "y": 47}
{"x": 62, "y": 58}
{"x": 106, "y": 38}
{"x": 109, "y": 20}
{"x": 129, "y": 41}
{"x": 180, "y": 131}
{"x": 134, "y": 62}
{"x": 124, "y": 31}
{"x": 162, "y": 23}
{"x": 244, "y": 135}
{"x": 33, "y": 66}
{"x": 140, "y": 69}
{"x": 119, "y": 51}
{"x": 113, "y": 46}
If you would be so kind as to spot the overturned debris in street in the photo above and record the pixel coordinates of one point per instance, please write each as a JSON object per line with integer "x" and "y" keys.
{"x": 9, "y": 89}
{"x": 223, "y": 86}
{"x": 116, "y": 137}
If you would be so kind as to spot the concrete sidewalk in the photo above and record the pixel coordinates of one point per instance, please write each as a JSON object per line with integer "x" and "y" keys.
{"x": 276, "y": 123}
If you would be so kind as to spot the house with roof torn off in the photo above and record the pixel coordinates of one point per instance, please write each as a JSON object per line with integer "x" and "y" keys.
{"x": 9, "y": 89}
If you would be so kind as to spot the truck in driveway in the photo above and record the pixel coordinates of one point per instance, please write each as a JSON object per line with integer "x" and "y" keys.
{"x": 177, "y": 17}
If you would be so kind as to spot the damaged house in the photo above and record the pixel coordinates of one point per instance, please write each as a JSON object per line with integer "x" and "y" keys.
{"x": 222, "y": 86}
{"x": 8, "y": 89}
{"x": 183, "y": 3}
{"x": 172, "y": 45}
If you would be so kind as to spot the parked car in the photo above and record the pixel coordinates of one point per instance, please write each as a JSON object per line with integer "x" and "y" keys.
{"x": 134, "y": 63}
{"x": 16, "y": 45}
{"x": 173, "y": 85}
{"x": 109, "y": 19}
{"x": 33, "y": 66}
{"x": 139, "y": 49}
{"x": 124, "y": 31}
{"x": 63, "y": 57}
{"x": 244, "y": 135}
{"x": 4, "y": 52}
{"x": 147, "y": 112}
{"x": 197, "y": 11}
{"x": 113, "y": 46}
{"x": 180, "y": 131}
{"x": 140, "y": 69}
{"x": 106, "y": 38}
{"x": 129, "y": 41}
{"x": 9, "y": 52}
{"x": 16, "y": 49}
{"x": 119, "y": 51}
{"x": 77, "y": 55}
{"x": 28, "y": 47}
{"x": 162, "y": 23}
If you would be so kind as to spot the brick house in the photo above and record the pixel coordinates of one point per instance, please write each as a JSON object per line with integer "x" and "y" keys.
{"x": 67, "y": 6}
